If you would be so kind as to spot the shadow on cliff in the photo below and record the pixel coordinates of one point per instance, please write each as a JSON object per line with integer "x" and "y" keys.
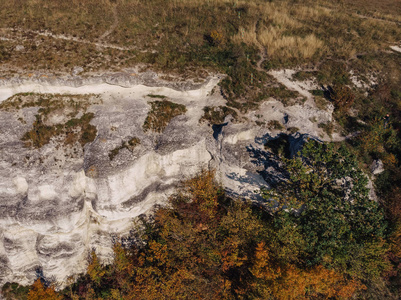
{"x": 248, "y": 179}
{"x": 269, "y": 151}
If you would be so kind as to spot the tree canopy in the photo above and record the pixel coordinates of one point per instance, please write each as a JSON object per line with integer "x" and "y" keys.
{"x": 323, "y": 238}
{"x": 325, "y": 203}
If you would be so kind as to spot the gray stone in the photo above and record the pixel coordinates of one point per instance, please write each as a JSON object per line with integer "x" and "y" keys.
{"x": 377, "y": 167}
{"x": 76, "y": 71}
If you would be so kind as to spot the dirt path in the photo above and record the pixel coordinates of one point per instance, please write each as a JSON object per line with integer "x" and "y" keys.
{"x": 67, "y": 38}
{"x": 113, "y": 26}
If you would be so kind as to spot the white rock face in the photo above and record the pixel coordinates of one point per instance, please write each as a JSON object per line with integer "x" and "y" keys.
{"x": 21, "y": 186}
{"x": 56, "y": 204}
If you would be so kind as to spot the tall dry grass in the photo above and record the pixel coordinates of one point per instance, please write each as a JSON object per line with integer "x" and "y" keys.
{"x": 308, "y": 29}
{"x": 281, "y": 36}
{"x": 277, "y": 44}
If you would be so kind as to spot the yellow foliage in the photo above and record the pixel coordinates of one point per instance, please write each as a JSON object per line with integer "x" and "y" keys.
{"x": 95, "y": 269}
{"x": 204, "y": 192}
{"x": 217, "y": 37}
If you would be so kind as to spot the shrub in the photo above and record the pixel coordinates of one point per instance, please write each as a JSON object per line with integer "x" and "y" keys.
{"x": 130, "y": 145}
{"x": 216, "y": 37}
{"x": 342, "y": 97}
{"x": 216, "y": 115}
{"x": 161, "y": 113}
{"x": 274, "y": 124}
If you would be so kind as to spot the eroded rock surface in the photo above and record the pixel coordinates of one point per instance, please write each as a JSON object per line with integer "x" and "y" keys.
{"x": 59, "y": 201}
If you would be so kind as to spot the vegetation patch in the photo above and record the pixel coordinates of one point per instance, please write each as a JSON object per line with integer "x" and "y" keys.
{"x": 284, "y": 95}
{"x": 15, "y": 291}
{"x": 161, "y": 113}
{"x": 280, "y": 146}
{"x": 302, "y": 76}
{"x": 321, "y": 102}
{"x": 244, "y": 87}
{"x": 332, "y": 212}
{"x": 332, "y": 72}
{"x": 293, "y": 130}
{"x": 202, "y": 239}
{"x": 52, "y": 109}
{"x": 342, "y": 97}
{"x": 74, "y": 130}
{"x": 328, "y": 128}
{"x": 129, "y": 145}
{"x": 216, "y": 115}
{"x": 48, "y": 103}
{"x": 4, "y": 53}
{"x": 156, "y": 96}
{"x": 275, "y": 125}
{"x": 239, "y": 39}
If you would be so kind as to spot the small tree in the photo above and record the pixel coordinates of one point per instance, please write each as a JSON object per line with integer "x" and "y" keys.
{"x": 40, "y": 292}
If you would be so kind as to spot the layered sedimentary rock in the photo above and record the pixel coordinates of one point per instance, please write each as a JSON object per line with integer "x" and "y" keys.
{"x": 59, "y": 201}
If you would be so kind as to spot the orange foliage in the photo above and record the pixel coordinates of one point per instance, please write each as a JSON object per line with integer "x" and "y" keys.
{"x": 290, "y": 282}
{"x": 39, "y": 292}
{"x": 203, "y": 247}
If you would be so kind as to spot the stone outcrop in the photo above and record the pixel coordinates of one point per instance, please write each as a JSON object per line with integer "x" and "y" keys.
{"x": 60, "y": 201}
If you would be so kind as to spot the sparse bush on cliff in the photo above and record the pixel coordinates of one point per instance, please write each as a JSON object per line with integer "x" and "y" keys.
{"x": 161, "y": 113}
{"x": 342, "y": 97}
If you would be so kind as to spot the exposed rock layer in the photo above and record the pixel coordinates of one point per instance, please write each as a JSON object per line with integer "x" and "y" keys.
{"x": 57, "y": 203}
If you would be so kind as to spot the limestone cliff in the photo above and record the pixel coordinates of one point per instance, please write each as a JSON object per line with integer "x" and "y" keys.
{"x": 60, "y": 200}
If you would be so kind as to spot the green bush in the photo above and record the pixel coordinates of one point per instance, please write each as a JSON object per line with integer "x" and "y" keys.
{"x": 325, "y": 197}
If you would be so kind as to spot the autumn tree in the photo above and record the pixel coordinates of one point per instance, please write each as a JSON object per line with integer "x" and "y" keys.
{"x": 40, "y": 292}
{"x": 94, "y": 269}
{"x": 204, "y": 245}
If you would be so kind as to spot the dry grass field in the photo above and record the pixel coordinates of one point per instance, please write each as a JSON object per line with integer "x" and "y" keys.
{"x": 178, "y": 34}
